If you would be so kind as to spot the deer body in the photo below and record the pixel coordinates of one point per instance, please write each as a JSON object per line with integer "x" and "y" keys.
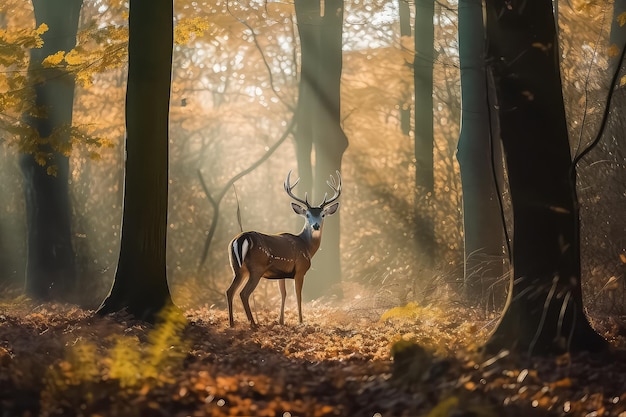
{"x": 281, "y": 256}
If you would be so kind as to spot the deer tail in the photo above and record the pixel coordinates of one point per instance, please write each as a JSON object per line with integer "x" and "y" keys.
{"x": 239, "y": 248}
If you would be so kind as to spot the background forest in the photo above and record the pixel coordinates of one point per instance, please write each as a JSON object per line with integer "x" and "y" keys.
{"x": 404, "y": 312}
{"x": 235, "y": 87}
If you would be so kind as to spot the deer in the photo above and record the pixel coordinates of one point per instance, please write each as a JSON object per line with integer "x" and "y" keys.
{"x": 280, "y": 256}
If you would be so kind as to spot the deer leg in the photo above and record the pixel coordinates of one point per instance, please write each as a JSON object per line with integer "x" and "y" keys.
{"x": 230, "y": 293}
{"x": 299, "y": 279}
{"x": 283, "y": 296}
{"x": 248, "y": 289}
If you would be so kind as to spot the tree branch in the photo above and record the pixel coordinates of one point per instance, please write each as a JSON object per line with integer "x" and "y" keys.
{"x": 215, "y": 203}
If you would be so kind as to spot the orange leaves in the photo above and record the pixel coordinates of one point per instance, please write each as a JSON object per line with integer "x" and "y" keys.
{"x": 561, "y": 383}
{"x": 337, "y": 364}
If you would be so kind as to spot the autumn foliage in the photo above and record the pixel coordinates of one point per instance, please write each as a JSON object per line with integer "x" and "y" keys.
{"x": 402, "y": 342}
{"x": 412, "y": 361}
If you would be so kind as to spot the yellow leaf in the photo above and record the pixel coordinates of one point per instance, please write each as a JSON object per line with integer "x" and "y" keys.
{"x": 188, "y": 29}
{"x": 54, "y": 59}
{"x": 622, "y": 258}
{"x": 444, "y": 407}
{"x": 621, "y": 18}
{"x": 43, "y": 28}
{"x": 52, "y": 170}
{"x": 40, "y": 158}
{"x": 613, "y": 51}
{"x": 84, "y": 79}
{"x": 73, "y": 58}
{"x": 410, "y": 311}
{"x": 622, "y": 81}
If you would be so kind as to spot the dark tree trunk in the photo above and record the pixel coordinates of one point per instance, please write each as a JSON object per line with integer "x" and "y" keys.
{"x": 404, "y": 11}
{"x": 618, "y": 33}
{"x": 50, "y": 269}
{"x": 140, "y": 284}
{"x": 544, "y": 311}
{"x": 423, "y": 79}
{"x": 480, "y": 161}
{"x": 319, "y": 127}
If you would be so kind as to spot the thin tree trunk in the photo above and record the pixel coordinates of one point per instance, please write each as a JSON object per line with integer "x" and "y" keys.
{"x": 140, "y": 284}
{"x": 544, "y": 311}
{"x": 404, "y": 11}
{"x": 307, "y": 15}
{"x": 423, "y": 79}
{"x": 50, "y": 269}
{"x": 479, "y": 159}
{"x": 618, "y": 33}
{"x": 319, "y": 118}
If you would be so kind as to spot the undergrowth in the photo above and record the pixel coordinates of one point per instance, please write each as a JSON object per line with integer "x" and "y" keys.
{"x": 410, "y": 360}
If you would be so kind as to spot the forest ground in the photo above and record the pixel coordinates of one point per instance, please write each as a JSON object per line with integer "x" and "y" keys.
{"x": 419, "y": 361}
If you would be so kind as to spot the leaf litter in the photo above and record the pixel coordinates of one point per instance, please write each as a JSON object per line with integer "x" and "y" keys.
{"x": 413, "y": 361}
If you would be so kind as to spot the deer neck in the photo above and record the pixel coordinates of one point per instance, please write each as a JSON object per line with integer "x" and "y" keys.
{"x": 311, "y": 238}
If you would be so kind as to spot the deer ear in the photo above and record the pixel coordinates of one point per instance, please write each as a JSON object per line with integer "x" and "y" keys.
{"x": 330, "y": 209}
{"x": 298, "y": 209}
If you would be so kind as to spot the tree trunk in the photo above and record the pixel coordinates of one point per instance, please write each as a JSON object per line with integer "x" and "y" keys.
{"x": 479, "y": 159}
{"x": 50, "y": 269}
{"x": 307, "y": 15}
{"x": 423, "y": 79}
{"x": 544, "y": 312}
{"x": 319, "y": 126}
{"x": 404, "y": 11}
{"x": 140, "y": 284}
{"x": 618, "y": 33}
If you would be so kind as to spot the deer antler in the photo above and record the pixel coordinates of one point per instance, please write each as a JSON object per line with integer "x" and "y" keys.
{"x": 289, "y": 188}
{"x": 336, "y": 187}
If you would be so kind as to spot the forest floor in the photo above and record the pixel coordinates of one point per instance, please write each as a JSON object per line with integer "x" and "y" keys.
{"x": 59, "y": 360}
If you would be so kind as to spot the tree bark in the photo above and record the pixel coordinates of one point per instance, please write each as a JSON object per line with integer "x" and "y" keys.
{"x": 618, "y": 33}
{"x": 404, "y": 11}
{"x": 423, "y": 79}
{"x": 319, "y": 127}
{"x": 544, "y": 312}
{"x": 307, "y": 15}
{"x": 479, "y": 159}
{"x": 140, "y": 284}
{"x": 50, "y": 269}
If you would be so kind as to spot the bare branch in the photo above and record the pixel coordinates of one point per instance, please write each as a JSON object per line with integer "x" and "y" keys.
{"x": 215, "y": 203}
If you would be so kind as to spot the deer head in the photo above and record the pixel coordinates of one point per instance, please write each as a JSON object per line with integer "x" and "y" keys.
{"x": 314, "y": 215}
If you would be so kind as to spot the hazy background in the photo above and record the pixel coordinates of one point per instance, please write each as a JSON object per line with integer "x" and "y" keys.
{"x": 227, "y": 111}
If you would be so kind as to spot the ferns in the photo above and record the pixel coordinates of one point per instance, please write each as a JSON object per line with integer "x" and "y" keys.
{"x": 124, "y": 364}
